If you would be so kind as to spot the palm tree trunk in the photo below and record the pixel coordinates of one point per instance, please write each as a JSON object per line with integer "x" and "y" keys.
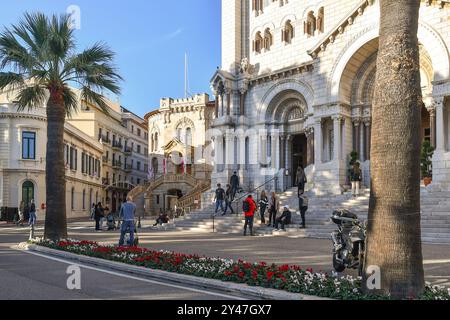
{"x": 55, "y": 220}
{"x": 394, "y": 235}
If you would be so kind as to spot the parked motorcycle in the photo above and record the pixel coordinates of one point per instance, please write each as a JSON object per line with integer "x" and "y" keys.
{"x": 349, "y": 242}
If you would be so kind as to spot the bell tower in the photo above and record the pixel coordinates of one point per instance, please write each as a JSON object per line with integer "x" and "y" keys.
{"x": 232, "y": 24}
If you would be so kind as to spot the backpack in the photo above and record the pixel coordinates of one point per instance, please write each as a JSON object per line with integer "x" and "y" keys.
{"x": 246, "y": 206}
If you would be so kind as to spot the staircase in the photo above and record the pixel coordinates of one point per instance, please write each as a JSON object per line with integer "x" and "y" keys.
{"x": 435, "y": 216}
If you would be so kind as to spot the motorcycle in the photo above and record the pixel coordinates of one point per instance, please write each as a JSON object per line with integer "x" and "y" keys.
{"x": 348, "y": 241}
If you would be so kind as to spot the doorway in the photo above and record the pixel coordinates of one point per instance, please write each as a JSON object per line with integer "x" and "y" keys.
{"x": 299, "y": 156}
{"x": 27, "y": 192}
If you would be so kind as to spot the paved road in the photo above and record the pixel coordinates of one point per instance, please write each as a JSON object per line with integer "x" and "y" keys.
{"x": 304, "y": 252}
{"x": 27, "y": 276}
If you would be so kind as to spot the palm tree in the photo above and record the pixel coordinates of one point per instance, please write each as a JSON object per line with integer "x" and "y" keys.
{"x": 394, "y": 235}
{"x": 39, "y": 63}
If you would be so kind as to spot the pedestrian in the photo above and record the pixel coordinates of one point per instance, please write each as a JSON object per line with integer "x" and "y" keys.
{"x": 274, "y": 207}
{"x": 284, "y": 219}
{"x": 104, "y": 216}
{"x": 219, "y": 198}
{"x": 32, "y": 219}
{"x": 99, "y": 212}
{"x": 300, "y": 179}
{"x": 234, "y": 182}
{"x": 21, "y": 214}
{"x": 228, "y": 200}
{"x": 356, "y": 178}
{"x": 163, "y": 218}
{"x": 263, "y": 204}
{"x": 127, "y": 213}
{"x": 249, "y": 208}
{"x": 303, "y": 206}
{"x": 93, "y": 211}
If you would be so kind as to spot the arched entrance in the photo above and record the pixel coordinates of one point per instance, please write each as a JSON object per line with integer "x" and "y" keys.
{"x": 286, "y": 120}
{"x": 356, "y": 88}
{"x": 27, "y": 192}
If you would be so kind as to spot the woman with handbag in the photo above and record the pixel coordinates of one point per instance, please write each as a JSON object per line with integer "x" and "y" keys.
{"x": 274, "y": 207}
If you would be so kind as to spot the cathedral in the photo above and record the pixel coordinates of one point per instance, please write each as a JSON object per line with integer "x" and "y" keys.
{"x": 295, "y": 89}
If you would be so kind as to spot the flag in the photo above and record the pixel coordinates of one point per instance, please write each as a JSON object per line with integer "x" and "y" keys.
{"x": 150, "y": 173}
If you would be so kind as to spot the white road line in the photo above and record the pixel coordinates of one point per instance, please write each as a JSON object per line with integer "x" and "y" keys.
{"x": 136, "y": 278}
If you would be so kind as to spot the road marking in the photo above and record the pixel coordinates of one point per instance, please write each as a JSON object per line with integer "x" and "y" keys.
{"x": 136, "y": 278}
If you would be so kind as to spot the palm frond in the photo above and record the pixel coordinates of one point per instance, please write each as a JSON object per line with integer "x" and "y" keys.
{"x": 70, "y": 101}
{"x": 60, "y": 36}
{"x": 31, "y": 97}
{"x": 11, "y": 80}
{"x": 13, "y": 54}
{"x": 90, "y": 96}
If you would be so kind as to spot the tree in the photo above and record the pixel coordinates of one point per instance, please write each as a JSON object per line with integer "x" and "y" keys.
{"x": 394, "y": 235}
{"x": 38, "y": 62}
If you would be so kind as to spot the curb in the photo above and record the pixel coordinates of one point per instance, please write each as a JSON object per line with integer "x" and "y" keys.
{"x": 223, "y": 287}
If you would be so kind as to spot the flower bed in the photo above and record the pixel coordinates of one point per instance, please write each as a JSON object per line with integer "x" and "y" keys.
{"x": 289, "y": 278}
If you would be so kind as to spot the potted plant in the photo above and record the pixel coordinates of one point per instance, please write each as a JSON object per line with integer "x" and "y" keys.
{"x": 426, "y": 165}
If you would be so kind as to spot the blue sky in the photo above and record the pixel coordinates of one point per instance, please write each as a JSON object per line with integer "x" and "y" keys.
{"x": 150, "y": 38}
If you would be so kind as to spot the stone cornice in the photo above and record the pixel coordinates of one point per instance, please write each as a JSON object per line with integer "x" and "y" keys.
{"x": 282, "y": 73}
{"x": 358, "y": 10}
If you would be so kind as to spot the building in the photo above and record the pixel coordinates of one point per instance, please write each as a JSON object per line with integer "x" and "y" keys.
{"x": 296, "y": 87}
{"x": 23, "y": 144}
{"x": 124, "y": 138}
{"x": 178, "y": 139}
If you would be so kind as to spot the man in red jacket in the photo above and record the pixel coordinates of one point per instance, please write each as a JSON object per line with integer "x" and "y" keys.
{"x": 249, "y": 207}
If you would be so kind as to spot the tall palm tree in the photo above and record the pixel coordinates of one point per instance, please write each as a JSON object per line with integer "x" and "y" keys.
{"x": 38, "y": 61}
{"x": 394, "y": 234}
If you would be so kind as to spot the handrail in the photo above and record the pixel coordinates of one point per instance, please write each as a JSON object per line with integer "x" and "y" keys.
{"x": 247, "y": 193}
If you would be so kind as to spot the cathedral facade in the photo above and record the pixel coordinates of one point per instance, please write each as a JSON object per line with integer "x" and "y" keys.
{"x": 295, "y": 89}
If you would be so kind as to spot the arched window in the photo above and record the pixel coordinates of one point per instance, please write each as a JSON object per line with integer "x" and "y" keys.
{"x": 179, "y": 134}
{"x": 96, "y": 197}
{"x": 27, "y": 192}
{"x": 152, "y": 145}
{"x": 321, "y": 20}
{"x": 310, "y": 24}
{"x": 156, "y": 141}
{"x": 258, "y": 43}
{"x": 268, "y": 39}
{"x": 72, "y": 199}
{"x": 188, "y": 141}
{"x": 288, "y": 33}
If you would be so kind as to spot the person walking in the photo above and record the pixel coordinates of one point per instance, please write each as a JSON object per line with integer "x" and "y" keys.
{"x": 356, "y": 178}
{"x": 303, "y": 206}
{"x": 284, "y": 219}
{"x": 127, "y": 214}
{"x": 235, "y": 183}
{"x": 99, "y": 212}
{"x": 32, "y": 219}
{"x": 219, "y": 198}
{"x": 263, "y": 204}
{"x": 93, "y": 211}
{"x": 300, "y": 179}
{"x": 228, "y": 200}
{"x": 274, "y": 208}
{"x": 249, "y": 207}
{"x": 19, "y": 222}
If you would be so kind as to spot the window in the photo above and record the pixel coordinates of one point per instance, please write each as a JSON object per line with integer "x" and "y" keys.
{"x": 73, "y": 159}
{"x": 189, "y": 137}
{"x": 320, "y": 20}
{"x": 310, "y": 24}
{"x": 138, "y": 149}
{"x": 28, "y": 145}
{"x": 72, "y": 198}
{"x": 288, "y": 33}
{"x": 84, "y": 200}
{"x": 258, "y": 43}
{"x": 139, "y": 132}
{"x": 138, "y": 166}
{"x": 268, "y": 39}
{"x": 138, "y": 181}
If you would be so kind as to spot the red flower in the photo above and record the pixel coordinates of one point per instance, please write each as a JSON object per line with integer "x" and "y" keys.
{"x": 241, "y": 274}
{"x": 270, "y": 275}
{"x": 236, "y": 268}
{"x": 310, "y": 270}
{"x": 254, "y": 275}
{"x": 284, "y": 268}
{"x": 227, "y": 273}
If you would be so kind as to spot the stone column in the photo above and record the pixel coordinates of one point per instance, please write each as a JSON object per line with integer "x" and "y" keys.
{"x": 362, "y": 143}
{"x": 357, "y": 137}
{"x": 310, "y": 146}
{"x": 337, "y": 123}
{"x": 229, "y": 149}
{"x": 216, "y": 107}
{"x": 242, "y": 103}
{"x": 282, "y": 151}
{"x": 432, "y": 112}
{"x": 440, "y": 127}
{"x": 275, "y": 156}
{"x": 318, "y": 141}
{"x": 368, "y": 141}
{"x": 228, "y": 106}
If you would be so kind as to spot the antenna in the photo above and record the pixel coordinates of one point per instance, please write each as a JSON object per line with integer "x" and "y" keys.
{"x": 185, "y": 75}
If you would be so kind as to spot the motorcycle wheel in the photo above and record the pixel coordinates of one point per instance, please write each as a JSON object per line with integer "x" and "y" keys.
{"x": 338, "y": 266}
{"x": 361, "y": 259}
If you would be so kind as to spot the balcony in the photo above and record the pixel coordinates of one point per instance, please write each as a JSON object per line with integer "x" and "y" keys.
{"x": 117, "y": 146}
{"x": 105, "y": 139}
{"x": 117, "y": 164}
{"x": 105, "y": 160}
{"x": 105, "y": 181}
{"x": 128, "y": 151}
{"x": 128, "y": 168}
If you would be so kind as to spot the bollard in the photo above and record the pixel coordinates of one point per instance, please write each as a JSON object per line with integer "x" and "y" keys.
{"x": 31, "y": 232}
{"x": 139, "y": 223}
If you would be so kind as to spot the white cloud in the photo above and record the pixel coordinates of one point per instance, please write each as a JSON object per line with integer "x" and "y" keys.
{"x": 174, "y": 34}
